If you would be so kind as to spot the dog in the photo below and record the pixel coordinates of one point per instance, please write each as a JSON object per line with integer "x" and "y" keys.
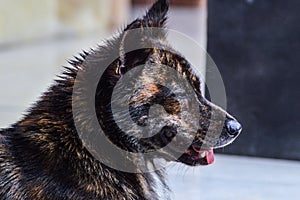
{"x": 42, "y": 156}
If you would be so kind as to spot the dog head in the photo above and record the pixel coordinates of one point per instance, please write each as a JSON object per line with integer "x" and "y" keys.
{"x": 161, "y": 110}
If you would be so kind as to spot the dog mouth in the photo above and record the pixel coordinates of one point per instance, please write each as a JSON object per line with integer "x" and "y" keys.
{"x": 194, "y": 156}
{"x": 203, "y": 154}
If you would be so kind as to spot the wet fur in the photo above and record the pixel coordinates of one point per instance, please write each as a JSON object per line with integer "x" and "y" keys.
{"x": 41, "y": 156}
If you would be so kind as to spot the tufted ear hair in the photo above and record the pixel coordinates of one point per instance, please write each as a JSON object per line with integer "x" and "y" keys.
{"x": 157, "y": 14}
{"x": 155, "y": 17}
{"x": 139, "y": 36}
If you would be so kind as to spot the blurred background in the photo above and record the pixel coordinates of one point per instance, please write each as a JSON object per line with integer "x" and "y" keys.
{"x": 254, "y": 43}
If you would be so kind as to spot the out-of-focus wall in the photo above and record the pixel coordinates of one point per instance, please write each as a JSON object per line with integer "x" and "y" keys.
{"x": 36, "y": 38}
{"x": 28, "y": 20}
{"x": 256, "y": 47}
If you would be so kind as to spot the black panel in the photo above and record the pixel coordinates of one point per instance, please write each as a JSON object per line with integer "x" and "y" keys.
{"x": 255, "y": 44}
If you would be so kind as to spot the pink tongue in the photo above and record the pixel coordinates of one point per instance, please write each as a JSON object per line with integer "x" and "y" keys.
{"x": 210, "y": 156}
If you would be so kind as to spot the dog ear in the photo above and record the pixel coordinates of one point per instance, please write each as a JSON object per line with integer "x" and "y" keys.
{"x": 155, "y": 17}
{"x": 136, "y": 37}
{"x": 157, "y": 14}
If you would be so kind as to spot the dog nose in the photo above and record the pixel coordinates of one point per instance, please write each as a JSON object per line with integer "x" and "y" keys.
{"x": 233, "y": 127}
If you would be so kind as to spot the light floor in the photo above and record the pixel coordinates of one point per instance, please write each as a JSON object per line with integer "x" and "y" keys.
{"x": 238, "y": 178}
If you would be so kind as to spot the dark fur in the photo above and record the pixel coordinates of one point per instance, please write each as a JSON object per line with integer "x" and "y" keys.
{"x": 42, "y": 157}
